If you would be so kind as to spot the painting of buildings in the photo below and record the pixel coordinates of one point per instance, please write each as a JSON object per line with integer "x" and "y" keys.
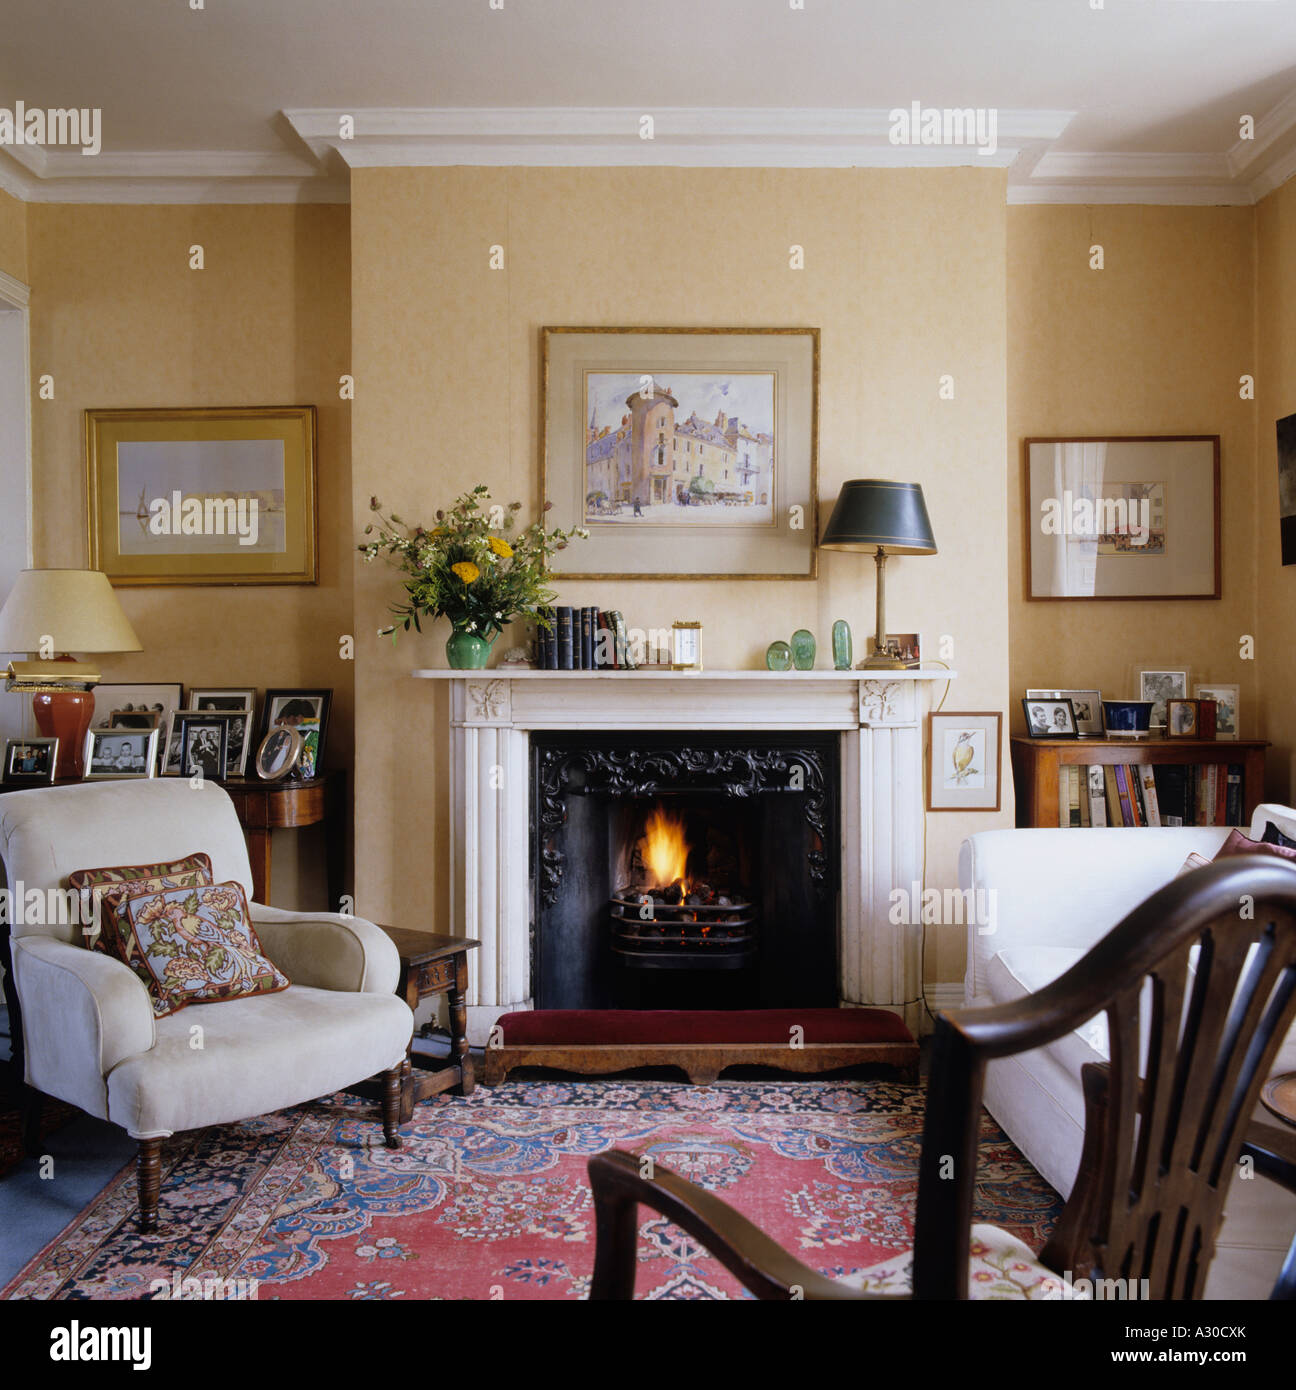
{"x": 696, "y": 451}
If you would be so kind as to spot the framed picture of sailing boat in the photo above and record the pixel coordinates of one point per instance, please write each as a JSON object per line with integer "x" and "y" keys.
{"x": 204, "y": 496}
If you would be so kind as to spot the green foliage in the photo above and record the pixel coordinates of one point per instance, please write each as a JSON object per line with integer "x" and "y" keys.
{"x": 465, "y": 570}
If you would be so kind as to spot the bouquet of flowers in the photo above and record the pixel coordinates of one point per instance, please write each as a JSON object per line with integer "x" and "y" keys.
{"x": 464, "y": 568}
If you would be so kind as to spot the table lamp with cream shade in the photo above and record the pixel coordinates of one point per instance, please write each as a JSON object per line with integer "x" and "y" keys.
{"x": 52, "y": 613}
{"x": 889, "y": 519}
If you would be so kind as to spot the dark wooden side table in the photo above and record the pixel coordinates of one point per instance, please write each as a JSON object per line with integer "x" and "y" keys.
{"x": 432, "y": 965}
{"x": 288, "y": 805}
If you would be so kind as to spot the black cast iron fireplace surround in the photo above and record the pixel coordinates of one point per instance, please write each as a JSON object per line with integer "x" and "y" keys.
{"x": 776, "y": 793}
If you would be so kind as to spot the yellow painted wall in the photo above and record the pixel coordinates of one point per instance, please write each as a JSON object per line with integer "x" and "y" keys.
{"x": 1276, "y": 380}
{"x": 904, "y": 275}
{"x": 119, "y": 319}
{"x": 13, "y": 236}
{"x": 1154, "y": 343}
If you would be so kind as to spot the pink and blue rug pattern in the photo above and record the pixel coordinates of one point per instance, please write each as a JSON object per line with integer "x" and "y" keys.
{"x": 488, "y": 1197}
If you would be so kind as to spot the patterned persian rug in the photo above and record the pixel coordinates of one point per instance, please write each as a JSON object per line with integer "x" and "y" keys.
{"x": 488, "y": 1197}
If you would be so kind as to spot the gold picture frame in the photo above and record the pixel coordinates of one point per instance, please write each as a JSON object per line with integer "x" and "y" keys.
{"x": 219, "y": 495}
{"x": 753, "y": 515}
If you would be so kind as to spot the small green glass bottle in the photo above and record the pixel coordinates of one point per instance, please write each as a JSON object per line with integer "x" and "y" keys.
{"x": 843, "y": 648}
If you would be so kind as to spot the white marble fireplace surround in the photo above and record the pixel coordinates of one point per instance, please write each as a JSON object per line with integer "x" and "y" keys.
{"x": 879, "y": 715}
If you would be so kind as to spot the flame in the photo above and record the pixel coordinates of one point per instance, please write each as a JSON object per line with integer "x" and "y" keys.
{"x": 664, "y": 848}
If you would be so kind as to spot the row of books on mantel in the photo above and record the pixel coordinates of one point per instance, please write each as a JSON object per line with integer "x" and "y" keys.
{"x": 584, "y": 639}
{"x": 1145, "y": 794}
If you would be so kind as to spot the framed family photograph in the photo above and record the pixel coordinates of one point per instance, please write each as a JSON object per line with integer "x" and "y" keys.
{"x": 113, "y": 700}
{"x": 686, "y": 452}
{"x": 1160, "y": 686}
{"x": 203, "y": 496}
{"x": 239, "y": 708}
{"x": 1123, "y": 517}
{"x": 963, "y": 761}
{"x": 204, "y": 745}
{"x": 112, "y": 753}
{"x": 278, "y": 753}
{"x": 1226, "y": 707}
{"x": 289, "y": 708}
{"x": 1050, "y": 718}
{"x": 1087, "y": 705}
{"x": 30, "y": 761}
{"x": 1183, "y": 719}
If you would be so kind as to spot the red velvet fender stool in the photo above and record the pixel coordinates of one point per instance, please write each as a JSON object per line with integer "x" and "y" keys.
{"x": 701, "y": 1041}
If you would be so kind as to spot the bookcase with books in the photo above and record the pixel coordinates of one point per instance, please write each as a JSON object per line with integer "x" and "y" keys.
{"x": 1136, "y": 782}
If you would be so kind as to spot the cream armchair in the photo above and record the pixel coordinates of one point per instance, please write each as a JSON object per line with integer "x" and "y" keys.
{"x": 88, "y": 1035}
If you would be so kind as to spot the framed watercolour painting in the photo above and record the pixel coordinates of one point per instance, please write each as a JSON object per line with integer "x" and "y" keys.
{"x": 963, "y": 765}
{"x": 1134, "y": 517}
{"x": 687, "y": 453}
{"x": 217, "y": 496}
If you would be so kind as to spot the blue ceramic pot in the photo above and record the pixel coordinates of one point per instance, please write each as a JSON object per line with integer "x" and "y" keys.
{"x": 1127, "y": 718}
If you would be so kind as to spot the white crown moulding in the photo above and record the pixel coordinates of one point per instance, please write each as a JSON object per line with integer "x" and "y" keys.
{"x": 317, "y": 169}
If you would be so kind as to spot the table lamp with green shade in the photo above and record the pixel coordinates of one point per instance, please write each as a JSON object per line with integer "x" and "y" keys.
{"x": 51, "y": 613}
{"x": 889, "y": 519}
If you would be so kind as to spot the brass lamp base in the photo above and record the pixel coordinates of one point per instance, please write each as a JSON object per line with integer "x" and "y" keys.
{"x": 880, "y": 661}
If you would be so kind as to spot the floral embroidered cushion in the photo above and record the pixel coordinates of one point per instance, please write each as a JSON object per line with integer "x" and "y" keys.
{"x": 100, "y": 931}
{"x": 1001, "y": 1267}
{"x": 194, "y": 945}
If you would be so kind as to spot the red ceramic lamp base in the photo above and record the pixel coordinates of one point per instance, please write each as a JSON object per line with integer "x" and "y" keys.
{"x": 65, "y": 715}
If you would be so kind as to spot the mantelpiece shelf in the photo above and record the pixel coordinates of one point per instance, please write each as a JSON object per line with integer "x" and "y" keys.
{"x": 1036, "y": 763}
{"x": 513, "y": 673}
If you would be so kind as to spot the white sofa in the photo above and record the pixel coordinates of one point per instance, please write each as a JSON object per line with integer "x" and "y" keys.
{"x": 1056, "y": 893}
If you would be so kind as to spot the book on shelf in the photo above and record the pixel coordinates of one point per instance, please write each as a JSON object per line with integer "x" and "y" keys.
{"x": 587, "y": 638}
{"x": 607, "y": 656}
{"x": 1097, "y": 793}
{"x": 1113, "y": 799}
{"x": 1233, "y": 795}
{"x": 1147, "y": 784}
{"x": 1073, "y": 796}
{"x": 566, "y": 652}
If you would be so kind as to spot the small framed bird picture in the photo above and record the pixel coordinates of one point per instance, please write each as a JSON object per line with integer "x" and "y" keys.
{"x": 963, "y": 755}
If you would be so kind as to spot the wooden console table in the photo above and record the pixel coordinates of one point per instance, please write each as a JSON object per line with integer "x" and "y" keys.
{"x": 288, "y": 805}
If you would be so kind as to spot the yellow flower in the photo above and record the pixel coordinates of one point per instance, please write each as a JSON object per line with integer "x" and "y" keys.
{"x": 466, "y": 571}
{"x": 502, "y": 548}
{"x": 439, "y": 531}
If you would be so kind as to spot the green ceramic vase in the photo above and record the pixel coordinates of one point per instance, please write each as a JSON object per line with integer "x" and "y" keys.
{"x": 803, "y": 649}
{"x": 468, "y": 651}
{"x": 778, "y": 656}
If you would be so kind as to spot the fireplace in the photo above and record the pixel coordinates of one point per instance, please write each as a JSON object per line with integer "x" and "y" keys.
{"x": 872, "y": 720}
{"x": 691, "y": 870}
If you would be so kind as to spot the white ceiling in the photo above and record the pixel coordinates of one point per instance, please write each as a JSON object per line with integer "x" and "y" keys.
{"x": 241, "y": 99}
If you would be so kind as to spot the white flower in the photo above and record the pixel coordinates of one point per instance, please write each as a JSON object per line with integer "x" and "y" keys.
{"x": 499, "y": 615}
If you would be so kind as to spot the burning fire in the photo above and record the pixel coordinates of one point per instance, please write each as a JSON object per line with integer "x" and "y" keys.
{"x": 664, "y": 848}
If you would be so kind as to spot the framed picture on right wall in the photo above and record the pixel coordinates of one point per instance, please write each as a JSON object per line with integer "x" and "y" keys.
{"x": 963, "y": 761}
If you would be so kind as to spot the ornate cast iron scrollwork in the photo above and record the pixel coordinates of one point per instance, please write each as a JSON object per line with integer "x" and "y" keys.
{"x": 643, "y": 772}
